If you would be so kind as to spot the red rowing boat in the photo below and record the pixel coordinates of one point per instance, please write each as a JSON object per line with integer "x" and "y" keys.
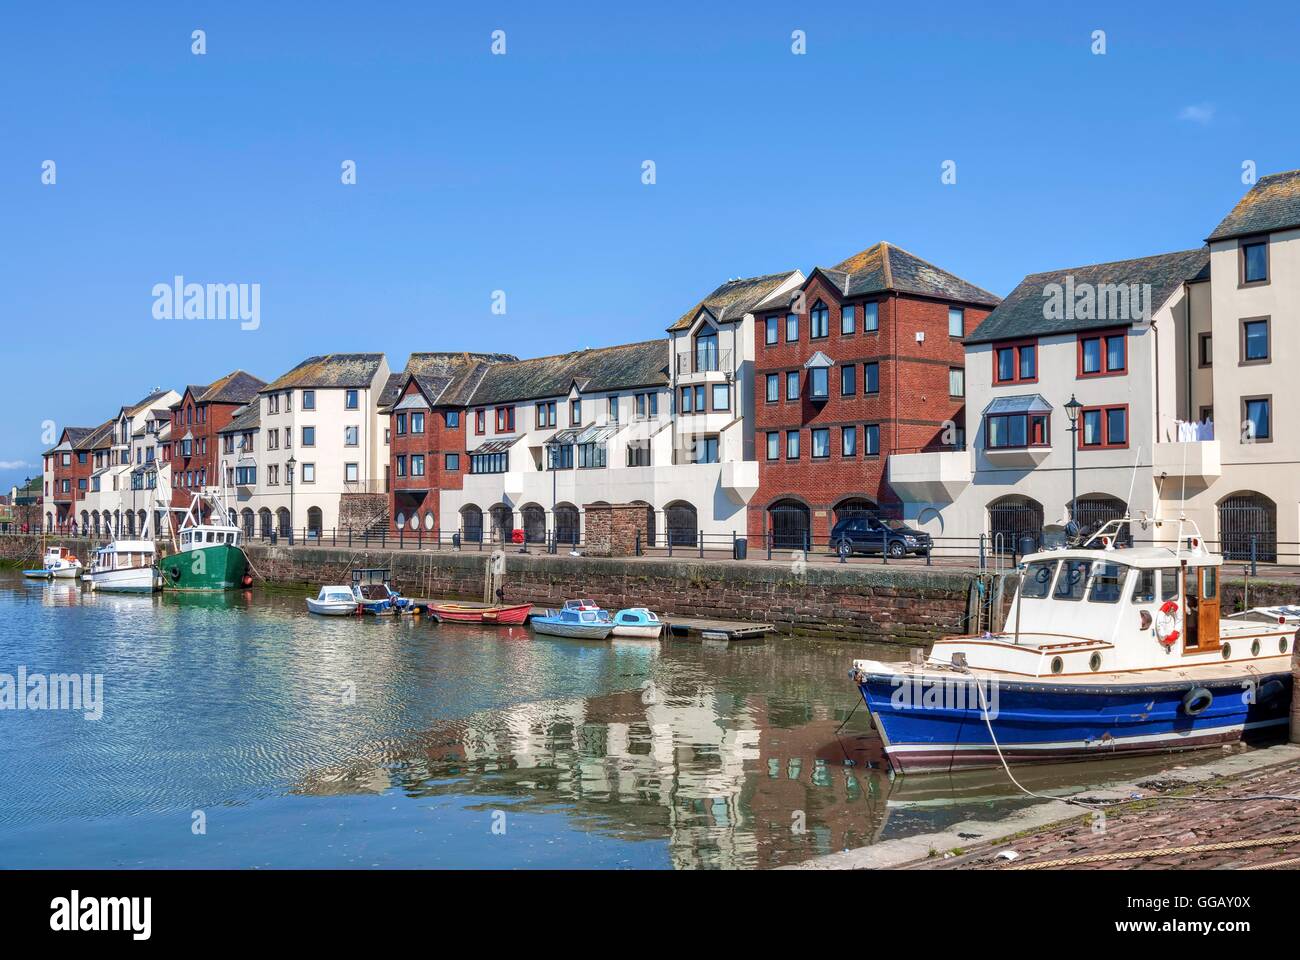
{"x": 480, "y": 612}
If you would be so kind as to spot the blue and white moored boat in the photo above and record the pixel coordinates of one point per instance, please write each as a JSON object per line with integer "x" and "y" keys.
{"x": 575, "y": 620}
{"x": 637, "y": 622}
{"x": 1106, "y": 650}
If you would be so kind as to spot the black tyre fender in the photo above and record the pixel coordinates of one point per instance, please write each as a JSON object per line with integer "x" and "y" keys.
{"x": 1269, "y": 691}
{"x": 1196, "y": 701}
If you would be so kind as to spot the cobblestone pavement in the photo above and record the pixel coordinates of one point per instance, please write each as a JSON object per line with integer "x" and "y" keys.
{"x": 1151, "y": 824}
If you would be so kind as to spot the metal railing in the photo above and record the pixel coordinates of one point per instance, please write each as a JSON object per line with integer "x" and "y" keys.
{"x": 702, "y": 361}
{"x": 678, "y": 540}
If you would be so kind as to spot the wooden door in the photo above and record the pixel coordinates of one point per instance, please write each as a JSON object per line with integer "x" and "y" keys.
{"x": 1208, "y": 614}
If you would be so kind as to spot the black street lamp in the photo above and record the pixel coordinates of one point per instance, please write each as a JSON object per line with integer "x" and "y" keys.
{"x": 1072, "y": 414}
{"x": 289, "y": 470}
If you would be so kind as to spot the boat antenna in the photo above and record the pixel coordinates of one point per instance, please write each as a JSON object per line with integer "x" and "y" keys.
{"x": 1182, "y": 504}
{"x": 1128, "y": 504}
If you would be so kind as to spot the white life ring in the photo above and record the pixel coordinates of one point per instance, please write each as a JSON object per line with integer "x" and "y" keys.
{"x": 1168, "y": 622}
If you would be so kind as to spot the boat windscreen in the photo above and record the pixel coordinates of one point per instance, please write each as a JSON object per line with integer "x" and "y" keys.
{"x": 1038, "y": 579}
{"x": 1107, "y": 582}
{"x": 1073, "y": 579}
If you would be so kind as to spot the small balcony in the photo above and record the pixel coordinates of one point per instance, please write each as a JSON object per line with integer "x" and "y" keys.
{"x": 703, "y": 360}
{"x": 930, "y": 476}
{"x": 1195, "y": 460}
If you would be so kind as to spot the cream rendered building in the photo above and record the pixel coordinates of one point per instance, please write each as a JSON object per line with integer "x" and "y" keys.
{"x": 315, "y": 436}
{"x": 128, "y": 475}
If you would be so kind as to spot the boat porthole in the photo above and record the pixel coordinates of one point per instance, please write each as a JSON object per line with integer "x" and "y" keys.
{"x": 1095, "y": 662}
{"x": 1227, "y": 651}
{"x": 1254, "y": 649}
{"x": 1281, "y": 645}
{"x": 1057, "y": 665}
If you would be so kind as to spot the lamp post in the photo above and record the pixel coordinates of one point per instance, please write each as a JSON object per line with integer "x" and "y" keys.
{"x": 289, "y": 470}
{"x": 1072, "y": 413}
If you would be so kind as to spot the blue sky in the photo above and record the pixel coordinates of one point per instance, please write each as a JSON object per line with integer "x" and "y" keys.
{"x": 522, "y": 172}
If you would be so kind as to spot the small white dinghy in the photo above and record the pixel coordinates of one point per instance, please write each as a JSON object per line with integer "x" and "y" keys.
{"x": 335, "y": 601}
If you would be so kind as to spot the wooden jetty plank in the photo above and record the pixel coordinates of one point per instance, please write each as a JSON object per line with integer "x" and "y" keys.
{"x": 698, "y": 628}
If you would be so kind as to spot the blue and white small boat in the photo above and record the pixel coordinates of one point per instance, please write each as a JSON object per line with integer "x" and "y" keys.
{"x": 578, "y": 622}
{"x": 637, "y": 622}
{"x": 375, "y": 594}
{"x": 1106, "y": 650}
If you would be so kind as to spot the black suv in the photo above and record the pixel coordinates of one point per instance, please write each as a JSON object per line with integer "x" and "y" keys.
{"x": 870, "y": 535}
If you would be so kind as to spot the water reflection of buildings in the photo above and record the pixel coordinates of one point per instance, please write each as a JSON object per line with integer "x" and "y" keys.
{"x": 729, "y": 781}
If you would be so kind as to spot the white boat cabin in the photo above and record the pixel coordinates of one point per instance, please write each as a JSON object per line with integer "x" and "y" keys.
{"x": 124, "y": 555}
{"x": 1082, "y": 611}
{"x": 208, "y": 535}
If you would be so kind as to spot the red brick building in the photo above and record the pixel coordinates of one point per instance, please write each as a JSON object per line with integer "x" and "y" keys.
{"x": 67, "y": 475}
{"x": 867, "y": 361}
{"x": 194, "y": 447}
{"x": 426, "y": 407}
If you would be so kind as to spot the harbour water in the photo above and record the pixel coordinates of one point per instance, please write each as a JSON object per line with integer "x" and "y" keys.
{"x": 238, "y": 731}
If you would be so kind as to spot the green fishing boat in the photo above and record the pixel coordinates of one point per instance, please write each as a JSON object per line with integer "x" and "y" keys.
{"x": 209, "y": 553}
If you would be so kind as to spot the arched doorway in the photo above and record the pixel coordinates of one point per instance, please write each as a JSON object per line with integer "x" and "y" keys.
{"x": 1011, "y": 519}
{"x": 471, "y": 523}
{"x": 282, "y": 521}
{"x": 854, "y": 507}
{"x": 143, "y": 518}
{"x": 130, "y": 524}
{"x": 247, "y": 524}
{"x": 266, "y": 523}
{"x": 567, "y": 523}
{"x": 1092, "y": 511}
{"x": 534, "y": 520}
{"x": 1247, "y": 518}
{"x": 94, "y": 521}
{"x": 85, "y": 521}
{"x": 503, "y": 522}
{"x": 683, "y": 524}
{"x": 315, "y": 522}
{"x": 790, "y": 524}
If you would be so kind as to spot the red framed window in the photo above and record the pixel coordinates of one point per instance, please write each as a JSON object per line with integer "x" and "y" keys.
{"x": 505, "y": 419}
{"x": 1103, "y": 354}
{"x": 1103, "y": 428}
{"x": 480, "y": 421}
{"x": 1015, "y": 362}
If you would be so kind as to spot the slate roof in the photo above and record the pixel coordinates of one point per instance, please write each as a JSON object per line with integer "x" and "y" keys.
{"x": 72, "y": 436}
{"x": 621, "y": 367}
{"x": 1021, "y": 314}
{"x": 1273, "y": 203}
{"x": 346, "y": 370}
{"x": 235, "y": 387}
{"x": 735, "y": 298}
{"x": 100, "y": 436}
{"x": 248, "y": 417}
{"x": 392, "y": 389}
{"x": 138, "y": 407}
{"x": 885, "y": 267}
{"x": 451, "y": 378}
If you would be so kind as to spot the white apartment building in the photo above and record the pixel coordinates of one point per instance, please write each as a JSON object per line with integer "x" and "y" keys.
{"x": 1181, "y": 404}
{"x": 128, "y": 473}
{"x": 314, "y": 435}
{"x": 664, "y": 423}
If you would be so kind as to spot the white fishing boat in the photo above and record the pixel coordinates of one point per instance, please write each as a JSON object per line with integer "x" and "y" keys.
{"x": 1106, "y": 650}
{"x": 336, "y": 601}
{"x": 125, "y": 566}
